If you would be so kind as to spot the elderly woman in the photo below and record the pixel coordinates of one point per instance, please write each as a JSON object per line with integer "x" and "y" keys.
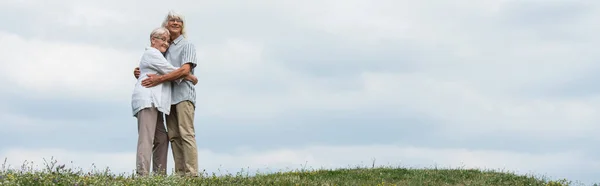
{"x": 149, "y": 105}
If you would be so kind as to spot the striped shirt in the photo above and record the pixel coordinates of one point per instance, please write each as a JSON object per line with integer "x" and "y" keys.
{"x": 180, "y": 52}
{"x": 159, "y": 96}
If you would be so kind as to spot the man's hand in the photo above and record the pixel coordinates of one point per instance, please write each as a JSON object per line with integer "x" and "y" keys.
{"x": 151, "y": 81}
{"x": 192, "y": 78}
{"x": 136, "y": 72}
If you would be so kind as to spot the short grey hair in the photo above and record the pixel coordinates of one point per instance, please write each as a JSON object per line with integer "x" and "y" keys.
{"x": 159, "y": 31}
{"x": 175, "y": 15}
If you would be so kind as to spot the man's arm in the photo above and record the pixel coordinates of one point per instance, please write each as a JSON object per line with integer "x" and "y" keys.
{"x": 183, "y": 71}
{"x": 154, "y": 80}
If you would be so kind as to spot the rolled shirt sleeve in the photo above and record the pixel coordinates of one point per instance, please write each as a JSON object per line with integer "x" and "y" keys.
{"x": 188, "y": 55}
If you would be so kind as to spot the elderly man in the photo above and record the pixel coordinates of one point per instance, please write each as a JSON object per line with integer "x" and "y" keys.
{"x": 180, "y": 123}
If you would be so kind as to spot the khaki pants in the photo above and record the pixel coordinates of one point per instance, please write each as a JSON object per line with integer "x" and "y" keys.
{"x": 152, "y": 142}
{"x": 180, "y": 125}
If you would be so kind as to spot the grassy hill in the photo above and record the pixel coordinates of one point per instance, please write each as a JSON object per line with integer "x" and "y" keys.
{"x": 58, "y": 175}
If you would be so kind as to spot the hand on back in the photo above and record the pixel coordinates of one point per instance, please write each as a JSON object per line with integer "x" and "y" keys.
{"x": 136, "y": 72}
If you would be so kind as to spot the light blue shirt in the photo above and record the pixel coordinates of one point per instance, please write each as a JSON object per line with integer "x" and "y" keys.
{"x": 159, "y": 96}
{"x": 180, "y": 52}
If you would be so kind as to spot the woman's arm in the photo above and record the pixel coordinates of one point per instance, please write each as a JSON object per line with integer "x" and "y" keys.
{"x": 158, "y": 62}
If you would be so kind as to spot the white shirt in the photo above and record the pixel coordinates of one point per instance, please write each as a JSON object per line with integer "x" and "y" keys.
{"x": 159, "y": 96}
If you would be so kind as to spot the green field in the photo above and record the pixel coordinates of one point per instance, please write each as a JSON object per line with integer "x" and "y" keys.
{"x": 55, "y": 174}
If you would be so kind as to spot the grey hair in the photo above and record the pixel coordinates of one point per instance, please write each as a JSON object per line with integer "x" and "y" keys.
{"x": 159, "y": 31}
{"x": 172, "y": 14}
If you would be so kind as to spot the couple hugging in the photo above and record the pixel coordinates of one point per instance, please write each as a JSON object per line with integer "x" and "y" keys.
{"x": 165, "y": 86}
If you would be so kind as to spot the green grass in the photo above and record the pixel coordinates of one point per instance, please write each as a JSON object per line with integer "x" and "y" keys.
{"x": 59, "y": 175}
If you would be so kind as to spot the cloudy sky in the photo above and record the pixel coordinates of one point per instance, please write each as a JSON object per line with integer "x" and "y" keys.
{"x": 494, "y": 84}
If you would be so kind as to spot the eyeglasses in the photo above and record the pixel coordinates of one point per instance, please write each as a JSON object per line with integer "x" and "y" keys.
{"x": 176, "y": 20}
{"x": 161, "y": 38}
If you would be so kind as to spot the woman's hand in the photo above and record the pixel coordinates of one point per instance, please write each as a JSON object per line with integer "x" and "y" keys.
{"x": 191, "y": 78}
{"x": 136, "y": 72}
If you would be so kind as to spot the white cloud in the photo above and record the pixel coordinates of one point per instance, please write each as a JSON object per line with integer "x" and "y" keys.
{"x": 557, "y": 165}
{"x": 92, "y": 16}
{"x": 67, "y": 70}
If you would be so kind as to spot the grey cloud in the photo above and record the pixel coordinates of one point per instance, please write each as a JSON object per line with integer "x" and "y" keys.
{"x": 80, "y": 110}
{"x": 321, "y": 54}
{"x": 538, "y": 13}
{"x": 549, "y": 21}
{"x": 359, "y": 127}
{"x": 66, "y": 123}
{"x": 120, "y": 136}
{"x": 572, "y": 86}
{"x": 109, "y": 127}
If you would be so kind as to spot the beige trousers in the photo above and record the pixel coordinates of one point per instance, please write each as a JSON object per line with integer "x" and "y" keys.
{"x": 180, "y": 125}
{"x": 152, "y": 142}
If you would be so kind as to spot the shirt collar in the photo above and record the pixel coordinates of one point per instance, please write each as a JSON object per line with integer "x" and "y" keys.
{"x": 176, "y": 41}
